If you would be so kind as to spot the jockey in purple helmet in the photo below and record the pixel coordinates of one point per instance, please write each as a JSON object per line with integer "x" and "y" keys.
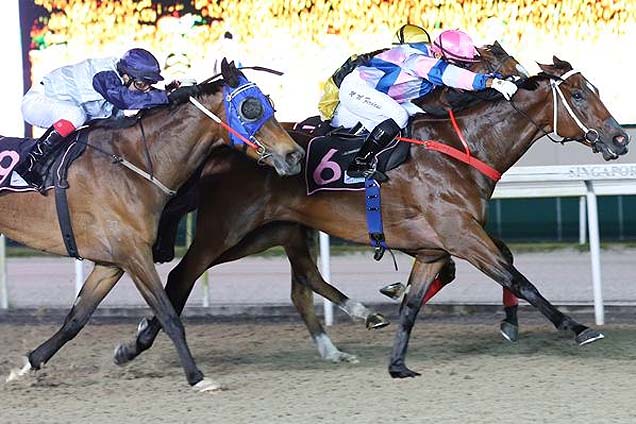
{"x": 69, "y": 96}
{"x": 378, "y": 93}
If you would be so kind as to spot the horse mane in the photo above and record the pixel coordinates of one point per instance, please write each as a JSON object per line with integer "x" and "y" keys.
{"x": 468, "y": 101}
{"x": 532, "y": 83}
{"x": 460, "y": 100}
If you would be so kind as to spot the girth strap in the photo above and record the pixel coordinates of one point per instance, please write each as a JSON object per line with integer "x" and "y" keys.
{"x": 64, "y": 219}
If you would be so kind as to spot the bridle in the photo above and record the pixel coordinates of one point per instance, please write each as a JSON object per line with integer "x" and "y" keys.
{"x": 253, "y": 142}
{"x": 590, "y": 136}
{"x": 247, "y": 110}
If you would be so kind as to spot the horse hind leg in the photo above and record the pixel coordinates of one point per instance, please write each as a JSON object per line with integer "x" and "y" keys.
{"x": 297, "y": 247}
{"x": 186, "y": 200}
{"x": 422, "y": 274}
{"x": 302, "y": 298}
{"x": 296, "y": 239}
{"x": 200, "y": 256}
{"x": 305, "y": 278}
{"x": 98, "y": 284}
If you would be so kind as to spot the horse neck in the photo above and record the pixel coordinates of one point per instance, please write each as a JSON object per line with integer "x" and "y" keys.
{"x": 505, "y": 134}
{"x": 495, "y": 132}
{"x": 179, "y": 140}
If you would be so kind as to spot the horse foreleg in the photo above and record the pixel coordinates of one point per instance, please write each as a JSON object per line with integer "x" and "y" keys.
{"x": 181, "y": 280}
{"x": 186, "y": 200}
{"x": 445, "y": 277}
{"x": 422, "y": 274}
{"x": 142, "y": 270}
{"x": 480, "y": 250}
{"x": 200, "y": 256}
{"x": 97, "y": 285}
{"x": 163, "y": 249}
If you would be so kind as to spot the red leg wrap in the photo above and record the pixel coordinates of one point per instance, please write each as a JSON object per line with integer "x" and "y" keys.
{"x": 509, "y": 299}
{"x": 435, "y": 286}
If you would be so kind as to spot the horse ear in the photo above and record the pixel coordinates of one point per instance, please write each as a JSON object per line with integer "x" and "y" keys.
{"x": 228, "y": 70}
{"x": 548, "y": 69}
{"x": 561, "y": 64}
{"x": 224, "y": 67}
{"x": 499, "y": 48}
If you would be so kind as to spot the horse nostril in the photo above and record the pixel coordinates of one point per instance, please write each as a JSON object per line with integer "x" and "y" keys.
{"x": 620, "y": 140}
{"x": 294, "y": 157}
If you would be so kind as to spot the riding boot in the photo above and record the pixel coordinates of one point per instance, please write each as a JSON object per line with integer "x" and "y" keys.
{"x": 364, "y": 164}
{"x": 32, "y": 168}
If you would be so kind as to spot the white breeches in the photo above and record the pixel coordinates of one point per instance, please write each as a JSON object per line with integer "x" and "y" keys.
{"x": 42, "y": 111}
{"x": 359, "y": 102}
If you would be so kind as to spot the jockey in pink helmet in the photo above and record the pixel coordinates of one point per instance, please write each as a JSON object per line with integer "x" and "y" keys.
{"x": 454, "y": 45}
{"x": 378, "y": 93}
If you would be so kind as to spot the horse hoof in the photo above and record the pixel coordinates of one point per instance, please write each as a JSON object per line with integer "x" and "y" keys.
{"x": 588, "y": 335}
{"x": 339, "y": 357}
{"x": 393, "y": 291}
{"x": 402, "y": 372}
{"x": 509, "y": 331}
{"x": 376, "y": 320}
{"x": 120, "y": 355}
{"x": 207, "y": 385}
{"x": 17, "y": 374}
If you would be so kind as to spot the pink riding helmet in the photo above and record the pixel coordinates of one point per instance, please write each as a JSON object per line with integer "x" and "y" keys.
{"x": 455, "y": 44}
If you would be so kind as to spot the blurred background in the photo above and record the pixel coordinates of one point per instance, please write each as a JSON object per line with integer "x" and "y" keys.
{"x": 309, "y": 39}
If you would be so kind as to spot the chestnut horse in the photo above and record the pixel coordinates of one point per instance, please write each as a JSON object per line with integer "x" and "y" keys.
{"x": 433, "y": 206}
{"x": 115, "y": 213}
{"x": 295, "y": 239}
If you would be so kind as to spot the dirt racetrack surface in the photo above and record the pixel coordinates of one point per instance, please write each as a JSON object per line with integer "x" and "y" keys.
{"x": 273, "y": 374}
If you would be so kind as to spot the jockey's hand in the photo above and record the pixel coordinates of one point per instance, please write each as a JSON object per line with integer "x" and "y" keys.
{"x": 173, "y": 86}
{"x": 506, "y": 88}
{"x": 182, "y": 94}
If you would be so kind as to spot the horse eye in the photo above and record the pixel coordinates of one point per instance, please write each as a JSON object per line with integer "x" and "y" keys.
{"x": 577, "y": 95}
{"x": 251, "y": 109}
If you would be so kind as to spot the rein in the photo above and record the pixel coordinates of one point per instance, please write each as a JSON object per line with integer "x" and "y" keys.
{"x": 255, "y": 145}
{"x": 462, "y": 156}
{"x": 590, "y": 137}
{"x": 149, "y": 176}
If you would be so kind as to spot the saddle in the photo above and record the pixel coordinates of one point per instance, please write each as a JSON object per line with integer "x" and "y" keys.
{"x": 331, "y": 150}
{"x": 13, "y": 150}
